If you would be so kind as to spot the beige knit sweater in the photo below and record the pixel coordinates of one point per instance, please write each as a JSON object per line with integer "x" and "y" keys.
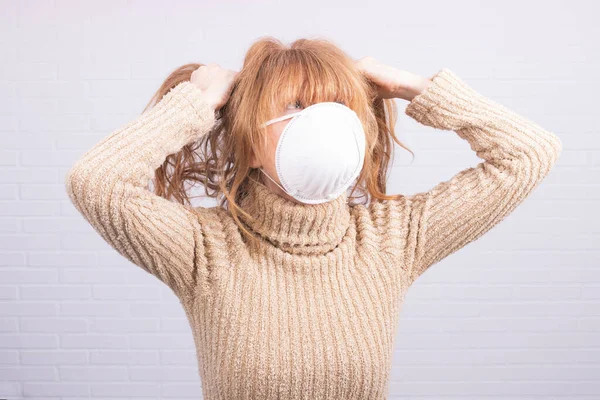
{"x": 311, "y": 312}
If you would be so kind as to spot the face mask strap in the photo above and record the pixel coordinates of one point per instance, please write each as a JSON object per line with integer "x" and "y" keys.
{"x": 272, "y": 121}
{"x": 273, "y": 180}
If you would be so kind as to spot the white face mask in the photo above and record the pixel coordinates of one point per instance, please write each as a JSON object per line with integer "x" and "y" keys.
{"x": 320, "y": 152}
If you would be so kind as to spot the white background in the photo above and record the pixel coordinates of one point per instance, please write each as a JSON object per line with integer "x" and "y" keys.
{"x": 514, "y": 315}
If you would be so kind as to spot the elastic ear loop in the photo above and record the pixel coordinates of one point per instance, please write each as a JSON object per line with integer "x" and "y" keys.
{"x": 271, "y": 121}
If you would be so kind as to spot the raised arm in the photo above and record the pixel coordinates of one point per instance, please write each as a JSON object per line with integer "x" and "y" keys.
{"x": 426, "y": 227}
{"x": 108, "y": 186}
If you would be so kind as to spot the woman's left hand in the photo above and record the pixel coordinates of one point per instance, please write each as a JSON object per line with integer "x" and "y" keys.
{"x": 392, "y": 82}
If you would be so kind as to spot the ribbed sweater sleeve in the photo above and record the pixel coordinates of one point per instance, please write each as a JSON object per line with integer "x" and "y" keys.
{"x": 108, "y": 186}
{"x": 517, "y": 153}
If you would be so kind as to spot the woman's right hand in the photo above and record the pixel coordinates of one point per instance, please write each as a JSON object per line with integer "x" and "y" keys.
{"x": 215, "y": 83}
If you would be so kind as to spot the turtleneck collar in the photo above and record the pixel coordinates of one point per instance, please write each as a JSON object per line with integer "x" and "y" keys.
{"x": 292, "y": 227}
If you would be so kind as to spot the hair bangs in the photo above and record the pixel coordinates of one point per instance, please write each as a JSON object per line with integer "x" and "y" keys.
{"x": 299, "y": 77}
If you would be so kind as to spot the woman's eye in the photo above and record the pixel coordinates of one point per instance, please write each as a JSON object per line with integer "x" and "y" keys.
{"x": 295, "y": 104}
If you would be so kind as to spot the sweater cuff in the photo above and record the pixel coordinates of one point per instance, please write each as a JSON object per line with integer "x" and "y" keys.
{"x": 204, "y": 113}
{"x": 447, "y": 103}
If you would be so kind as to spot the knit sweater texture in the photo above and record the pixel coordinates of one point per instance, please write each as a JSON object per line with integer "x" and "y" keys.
{"x": 311, "y": 310}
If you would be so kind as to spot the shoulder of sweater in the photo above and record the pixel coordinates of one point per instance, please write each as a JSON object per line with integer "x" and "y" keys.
{"x": 218, "y": 225}
{"x": 381, "y": 214}
{"x": 210, "y": 217}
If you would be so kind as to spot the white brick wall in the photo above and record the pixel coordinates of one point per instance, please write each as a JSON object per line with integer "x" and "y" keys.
{"x": 515, "y": 315}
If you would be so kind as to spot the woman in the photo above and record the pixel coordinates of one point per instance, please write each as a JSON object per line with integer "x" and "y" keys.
{"x": 292, "y": 291}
